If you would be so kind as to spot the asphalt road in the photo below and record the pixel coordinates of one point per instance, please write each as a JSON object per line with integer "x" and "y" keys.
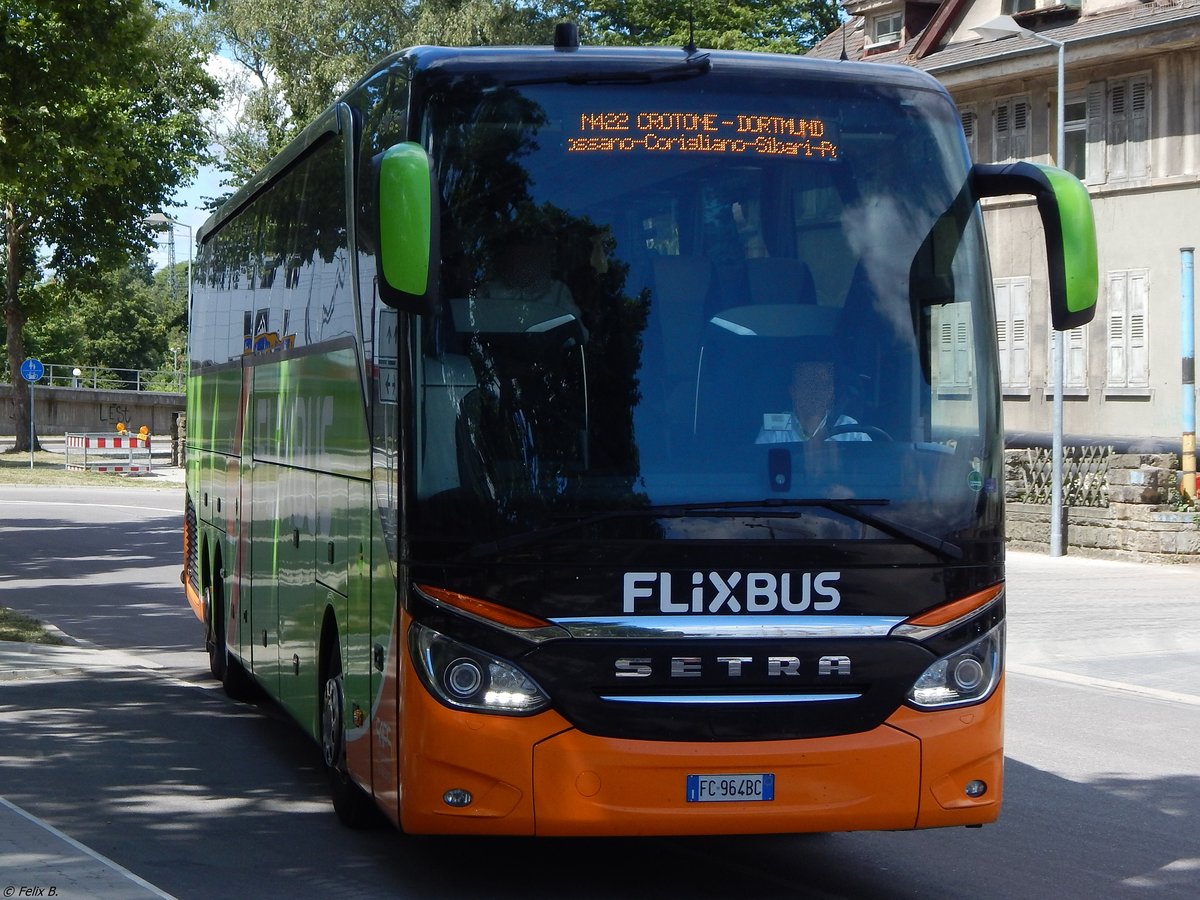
{"x": 152, "y": 766}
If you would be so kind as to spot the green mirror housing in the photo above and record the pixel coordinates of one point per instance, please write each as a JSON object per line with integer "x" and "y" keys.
{"x": 1066, "y": 211}
{"x": 405, "y": 225}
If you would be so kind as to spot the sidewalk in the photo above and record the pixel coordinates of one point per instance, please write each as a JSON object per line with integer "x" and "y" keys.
{"x": 36, "y": 859}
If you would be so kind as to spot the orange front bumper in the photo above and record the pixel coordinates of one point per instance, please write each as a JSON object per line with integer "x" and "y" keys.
{"x": 538, "y": 775}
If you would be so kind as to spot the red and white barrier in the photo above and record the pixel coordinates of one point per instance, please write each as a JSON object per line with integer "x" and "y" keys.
{"x": 125, "y": 454}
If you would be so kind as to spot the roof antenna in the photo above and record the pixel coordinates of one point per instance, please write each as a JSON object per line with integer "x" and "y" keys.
{"x": 690, "y": 47}
{"x": 844, "y": 57}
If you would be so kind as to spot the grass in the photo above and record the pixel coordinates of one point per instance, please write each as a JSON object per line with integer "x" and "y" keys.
{"x": 49, "y": 468}
{"x": 17, "y": 627}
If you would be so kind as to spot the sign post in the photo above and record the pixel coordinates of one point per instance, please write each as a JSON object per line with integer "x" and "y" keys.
{"x": 32, "y": 371}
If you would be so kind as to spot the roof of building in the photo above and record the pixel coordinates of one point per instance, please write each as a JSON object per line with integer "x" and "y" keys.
{"x": 925, "y": 49}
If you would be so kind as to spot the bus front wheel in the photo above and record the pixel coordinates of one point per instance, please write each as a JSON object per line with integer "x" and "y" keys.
{"x": 352, "y": 806}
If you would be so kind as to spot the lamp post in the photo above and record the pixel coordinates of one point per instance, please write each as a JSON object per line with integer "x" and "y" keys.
{"x": 994, "y": 29}
{"x": 162, "y": 220}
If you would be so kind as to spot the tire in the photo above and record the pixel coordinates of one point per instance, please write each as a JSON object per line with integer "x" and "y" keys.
{"x": 225, "y": 668}
{"x": 214, "y": 637}
{"x": 353, "y": 807}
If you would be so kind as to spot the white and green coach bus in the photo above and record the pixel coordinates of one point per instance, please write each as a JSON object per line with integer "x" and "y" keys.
{"x": 607, "y": 441}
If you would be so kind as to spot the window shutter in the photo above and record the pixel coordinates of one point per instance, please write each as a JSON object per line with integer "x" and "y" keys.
{"x": 1019, "y": 339}
{"x": 1118, "y": 129}
{"x": 1138, "y": 355}
{"x": 1096, "y": 162}
{"x": 946, "y": 350}
{"x": 1002, "y": 290}
{"x": 1019, "y": 143}
{"x": 968, "y": 119}
{"x": 1138, "y": 138}
{"x": 1001, "y": 133}
{"x": 962, "y": 345}
{"x": 1117, "y": 370}
{"x": 1076, "y": 359}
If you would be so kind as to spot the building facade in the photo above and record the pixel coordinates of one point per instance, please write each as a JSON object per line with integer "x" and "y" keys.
{"x": 1131, "y": 130}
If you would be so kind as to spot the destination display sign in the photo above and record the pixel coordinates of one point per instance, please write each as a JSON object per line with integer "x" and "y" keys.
{"x": 703, "y": 132}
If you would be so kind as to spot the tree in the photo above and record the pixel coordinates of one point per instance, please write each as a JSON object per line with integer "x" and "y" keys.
{"x": 773, "y": 25}
{"x": 300, "y": 55}
{"x": 101, "y": 105}
{"x": 123, "y": 318}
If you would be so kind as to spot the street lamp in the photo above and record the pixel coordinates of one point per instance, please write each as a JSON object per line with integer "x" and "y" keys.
{"x": 994, "y": 29}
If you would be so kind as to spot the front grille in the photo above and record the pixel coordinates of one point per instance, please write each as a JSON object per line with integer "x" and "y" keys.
{"x": 727, "y": 690}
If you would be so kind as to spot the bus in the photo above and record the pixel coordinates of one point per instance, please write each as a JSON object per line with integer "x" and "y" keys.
{"x": 607, "y": 441}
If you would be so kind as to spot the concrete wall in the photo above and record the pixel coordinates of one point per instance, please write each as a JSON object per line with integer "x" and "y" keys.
{"x": 57, "y": 411}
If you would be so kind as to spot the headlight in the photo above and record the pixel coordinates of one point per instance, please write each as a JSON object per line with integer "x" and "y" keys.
{"x": 965, "y": 676}
{"x": 465, "y": 678}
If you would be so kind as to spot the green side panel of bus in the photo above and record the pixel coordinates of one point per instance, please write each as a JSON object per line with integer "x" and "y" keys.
{"x": 311, "y": 455}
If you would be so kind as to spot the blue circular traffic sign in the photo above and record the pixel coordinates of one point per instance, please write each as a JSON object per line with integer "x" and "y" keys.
{"x": 32, "y": 370}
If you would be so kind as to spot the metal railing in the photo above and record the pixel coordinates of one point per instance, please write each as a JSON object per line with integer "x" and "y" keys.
{"x": 103, "y": 378}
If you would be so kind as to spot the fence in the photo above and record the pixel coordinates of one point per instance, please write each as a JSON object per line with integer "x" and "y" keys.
{"x": 102, "y": 378}
{"x": 1029, "y": 476}
{"x": 125, "y": 454}
{"x": 1125, "y": 505}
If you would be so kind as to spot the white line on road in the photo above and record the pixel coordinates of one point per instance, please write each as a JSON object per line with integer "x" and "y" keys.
{"x": 84, "y": 849}
{"x": 1102, "y": 683}
{"x": 173, "y": 509}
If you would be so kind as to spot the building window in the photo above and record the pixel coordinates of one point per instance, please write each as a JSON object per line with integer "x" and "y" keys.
{"x": 1128, "y": 331}
{"x": 1075, "y": 126}
{"x": 970, "y": 122}
{"x": 1012, "y": 332}
{"x": 885, "y": 29}
{"x": 1118, "y": 130}
{"x": 1010, "y": 134}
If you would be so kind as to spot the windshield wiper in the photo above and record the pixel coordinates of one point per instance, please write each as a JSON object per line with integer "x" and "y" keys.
{"x": 849, "y": 508}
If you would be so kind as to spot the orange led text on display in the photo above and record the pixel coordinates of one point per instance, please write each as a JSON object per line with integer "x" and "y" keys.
{"x": 622, "y": 132}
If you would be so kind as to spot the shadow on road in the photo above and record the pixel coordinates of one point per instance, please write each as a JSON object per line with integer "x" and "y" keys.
{"x": 229, "y": 800}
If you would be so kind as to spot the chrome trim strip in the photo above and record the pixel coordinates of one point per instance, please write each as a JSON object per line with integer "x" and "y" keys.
{"x": 727, "y": 699}
{"x": 713, "y": 627}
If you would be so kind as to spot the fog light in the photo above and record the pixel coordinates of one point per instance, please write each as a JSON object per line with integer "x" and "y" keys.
{"x": 457, "y": 797}
{"x": 464, "y": 677}
{"x": 976, "y": 788}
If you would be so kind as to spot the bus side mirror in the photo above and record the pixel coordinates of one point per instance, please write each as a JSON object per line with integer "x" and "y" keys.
{"x": 406, "y": 227}
{"x": 1066, "y": 211}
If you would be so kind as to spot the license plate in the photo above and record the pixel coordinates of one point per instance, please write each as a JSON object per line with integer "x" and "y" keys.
{"x": 730, "y": 788}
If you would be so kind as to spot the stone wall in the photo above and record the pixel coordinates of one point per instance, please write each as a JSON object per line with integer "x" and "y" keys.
{"x": 1136, "y": 524}
{"x": 60, "y": 410}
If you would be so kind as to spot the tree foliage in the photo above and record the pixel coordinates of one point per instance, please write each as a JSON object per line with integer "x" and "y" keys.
{"x": 101, "y": 105}
{"x": 777, "y": 26}
{"x": 300, "y": 55}
{"x": 123, "y": 318}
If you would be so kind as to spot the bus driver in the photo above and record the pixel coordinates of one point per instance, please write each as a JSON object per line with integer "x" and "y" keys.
{"x": 812, "y": 415}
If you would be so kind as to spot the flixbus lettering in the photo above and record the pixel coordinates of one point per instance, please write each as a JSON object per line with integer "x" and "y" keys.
{"x": 735, "y": 592}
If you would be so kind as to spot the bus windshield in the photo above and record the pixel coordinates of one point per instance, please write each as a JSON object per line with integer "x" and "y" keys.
{"x": 712, "y": 294}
